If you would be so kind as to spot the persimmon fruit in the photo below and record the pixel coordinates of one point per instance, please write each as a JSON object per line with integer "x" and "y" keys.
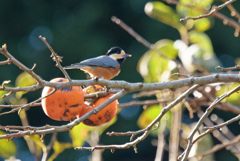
{"x": 103, "y": 116}
{"x": 65, "y": 104}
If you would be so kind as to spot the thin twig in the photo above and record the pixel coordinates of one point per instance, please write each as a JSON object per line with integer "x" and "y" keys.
{"x": 49, "y": 146}
{"x": 8, "y": 61}
{"x": 56, "y": 58}
{"x": 143, "y": 41}
{"x": 145, "y": 131}
{"x": 219, "y": 147}
{"x": 4, "y": 51}
{"x": 161, "y": 140}
{"x": 67, "y": 126}
{"x": 223, "y": 124}
{"x": 27, "y": 105}
{"x": 214, "y": 10}
{"x": 227, "y": 69}
{"x": 225, "y": 19}
{"x": 185, "y": 154}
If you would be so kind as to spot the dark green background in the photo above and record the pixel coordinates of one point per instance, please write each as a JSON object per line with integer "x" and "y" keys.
{"x": 78, "y": 30}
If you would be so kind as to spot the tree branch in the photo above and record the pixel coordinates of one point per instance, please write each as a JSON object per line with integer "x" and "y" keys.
{"x": 185, "y": 154}
{"x": 145, "y": 131}
{"x": 214, "y": 10}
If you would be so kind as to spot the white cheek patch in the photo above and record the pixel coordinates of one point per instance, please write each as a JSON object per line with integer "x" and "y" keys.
{"x": 116, "y": 56}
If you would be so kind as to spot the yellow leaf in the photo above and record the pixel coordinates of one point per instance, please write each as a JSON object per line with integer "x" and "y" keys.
{"x": 24, "y": 80}
{"x": 79, "y": 134}
{"x": 7, "y": 148}
{"x": 58, "y": 148}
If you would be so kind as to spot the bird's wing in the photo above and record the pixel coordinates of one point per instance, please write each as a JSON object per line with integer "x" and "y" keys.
{"x": 101, "y": 61}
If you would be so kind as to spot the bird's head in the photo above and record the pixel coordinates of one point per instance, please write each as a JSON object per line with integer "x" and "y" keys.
{"x": 118, "y": 54}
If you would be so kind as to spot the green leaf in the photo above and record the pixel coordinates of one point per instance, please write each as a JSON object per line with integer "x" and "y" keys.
{"x": 7, "y": 148}
{"x": 37, "y": 140}
{"x": 233, "y": 98}
{"x": 148, "y": 116}
{"x": 24, "y": 80}
{"x": 1, "y": 94}
{"x": 205, "y": 57}
{"x": 185, "y": 11}
{"x": 58, "y": 148}
{"x": 79, "y": 134}
{"x": 162, "y": 13}
{"x": 202, "y": 24}
{"x": 154, "y": 67}
{"x": 202, "y": 40}
{"x": 165, "y": 14}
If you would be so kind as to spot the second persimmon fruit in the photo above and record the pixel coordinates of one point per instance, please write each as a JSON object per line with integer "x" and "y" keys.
{"x": 103, "y": 116}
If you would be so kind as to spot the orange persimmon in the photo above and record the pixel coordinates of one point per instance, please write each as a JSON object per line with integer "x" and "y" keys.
{"x": 103, "y": 116}
{"x": 65, "y": 104}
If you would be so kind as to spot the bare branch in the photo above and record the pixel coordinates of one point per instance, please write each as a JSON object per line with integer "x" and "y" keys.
{"x": 56, "y": 58}
{"x": 219, "y": 147}
{"x": 145, "y": 131}
{"x": 8, "y": 61}
{"x": 227, "y": 69}
{"x": 132, "y": 87}
{"x": 4, "y": 51}
{"x": 27, "y": 105}
{"x": 234, "y": 12}
{"x": 52, "y": 129}
{"x": 161, "y": 140}
{"x": 225, "y": 19}
{"x": 143, "y": 41}
{"x": 49, "y": 146}
{"x": 185, "y": 154}
{"x": 214, "y": 10}
{"x": 223, "y": 124}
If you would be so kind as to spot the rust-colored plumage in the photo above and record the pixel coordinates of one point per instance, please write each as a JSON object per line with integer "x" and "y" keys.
{"x": 106, "y": 66}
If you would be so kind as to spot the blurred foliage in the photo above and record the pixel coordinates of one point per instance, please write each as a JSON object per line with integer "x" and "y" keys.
{"x": 234, "y": 98}
{"x": 81, "y": 133}
{"x": 148, "y": 115}
{"x": 79, "y": 30}
{"x": 204, "y": 144}
{"x": 7, "y": 147}
{"x": 153, "y": 66}
{"x": 24, "y": 80}
{"x": 58, "y": 148}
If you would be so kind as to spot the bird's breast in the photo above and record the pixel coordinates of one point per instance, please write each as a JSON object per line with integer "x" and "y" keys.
{"x": 106, "y": 73}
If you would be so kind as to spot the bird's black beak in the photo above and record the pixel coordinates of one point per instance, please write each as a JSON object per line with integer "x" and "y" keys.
{"x": 127, "y": 55}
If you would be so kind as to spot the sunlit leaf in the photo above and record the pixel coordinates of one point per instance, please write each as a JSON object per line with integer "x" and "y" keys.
{"x": 185, "y": 11}
{"x": 1, "y": 94}
{"x": 234, "y": 98}
{"x": 24, "y": 80}
{"x": 148, "y": 116}
{"x": 36, "y": 139}
{"x": 202, "y": 40}
{"x": 165, "y": 14}
{"x": 79, "y": 134}
{"x": 58, "y": 148}
{"x": 204, "y": 57}
{"x": 7, "y": 148}
{"x": 202, "y": 24}
{"x": 152, "y": 65}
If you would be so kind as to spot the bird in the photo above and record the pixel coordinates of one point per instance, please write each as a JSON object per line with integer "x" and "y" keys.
{"x": 105, "y": 66}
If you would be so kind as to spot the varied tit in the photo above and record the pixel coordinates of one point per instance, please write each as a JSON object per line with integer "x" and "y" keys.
{"x": 106, "y": 66}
